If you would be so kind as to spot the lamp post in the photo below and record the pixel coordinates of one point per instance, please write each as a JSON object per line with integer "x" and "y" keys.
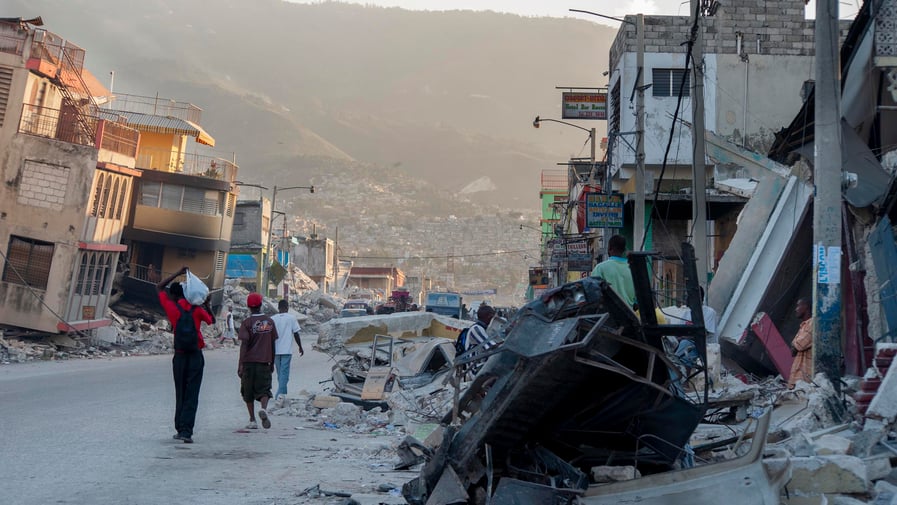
{"x": 592, "y": 135}
{"x": 638, "y": 226}
{"x": 591, "y": 132}
{"x": 311, "y": 189}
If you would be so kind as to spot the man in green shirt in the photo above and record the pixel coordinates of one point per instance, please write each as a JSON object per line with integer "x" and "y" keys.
{"x": 615, "y": 270}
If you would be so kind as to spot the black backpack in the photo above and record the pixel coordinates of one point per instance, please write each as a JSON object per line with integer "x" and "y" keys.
{"x": 186, "y": 338}
{"x": 461, "y": 342}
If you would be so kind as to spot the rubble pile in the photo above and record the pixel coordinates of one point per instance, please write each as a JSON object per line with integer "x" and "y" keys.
{"x": 329, "y": 412}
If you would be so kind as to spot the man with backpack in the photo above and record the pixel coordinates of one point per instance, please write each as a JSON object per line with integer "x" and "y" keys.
{"x": 188, "y": 363}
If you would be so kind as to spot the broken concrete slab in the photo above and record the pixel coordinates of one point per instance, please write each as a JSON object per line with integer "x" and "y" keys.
{"x": 829, "y": 474}
{"x": 885, "y": 493}
{"x": 604, "y": 474}
{"x": 832, "y": 444}
{"x": 325, "y": 402}
{"x": 878, "y": 466}
{"x": 340, "y": 332}
{"x": 884, "y": 404}
{"x": 863, "y": 442}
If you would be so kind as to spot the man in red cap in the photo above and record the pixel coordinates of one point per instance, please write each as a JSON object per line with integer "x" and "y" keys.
{"x": 257, "y": 335}
{"x": 187, "y": 364}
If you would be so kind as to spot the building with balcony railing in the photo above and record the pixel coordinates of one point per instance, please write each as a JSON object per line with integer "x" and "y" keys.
{"x": 183, "y": 207}
{"x": 69, "y": 176}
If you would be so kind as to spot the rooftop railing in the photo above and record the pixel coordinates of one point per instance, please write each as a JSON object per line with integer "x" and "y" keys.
{"x": 58, "y": 124}
{"x": 156, "y": 106}
{"x": 186, "y": 163}
{"x": 12, "y": 39}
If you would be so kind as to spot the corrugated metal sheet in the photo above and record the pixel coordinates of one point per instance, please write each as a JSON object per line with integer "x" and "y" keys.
{"x": 151, "y": 123}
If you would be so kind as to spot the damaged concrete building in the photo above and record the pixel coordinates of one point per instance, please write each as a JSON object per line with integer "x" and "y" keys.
{"x": 68, "y": 176}
{"x": 751, "y": 52}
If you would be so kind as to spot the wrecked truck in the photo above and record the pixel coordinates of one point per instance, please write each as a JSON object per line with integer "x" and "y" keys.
{"x": 580, "y": 381}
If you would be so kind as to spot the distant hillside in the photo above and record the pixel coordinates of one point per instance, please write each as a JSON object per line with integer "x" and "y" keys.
{"x": 414, "y": 127}
{"x": 446, "y": 96}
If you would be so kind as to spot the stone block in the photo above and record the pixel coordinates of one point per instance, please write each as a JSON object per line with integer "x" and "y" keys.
{"x": 832, "y": 444}
{"x": 325, "y": 402}
{"x": 605, "y": 474}
{"x": 805, "y": 499}
{"x": 838, "y": 499}
{"x": 863, "y": 442}
{"x": 878, "y": 466}
{"x": 885, "y": 493}
{"x": 829, "y": 474}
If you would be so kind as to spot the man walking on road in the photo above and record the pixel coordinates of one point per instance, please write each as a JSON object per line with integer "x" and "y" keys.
{"x": 257, "y": 335}
{"x": 287, "y": 326}
{"x": 187, "y": 365}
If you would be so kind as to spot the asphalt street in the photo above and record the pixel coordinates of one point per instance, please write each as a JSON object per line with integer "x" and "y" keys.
{"x": 100, "y": 432}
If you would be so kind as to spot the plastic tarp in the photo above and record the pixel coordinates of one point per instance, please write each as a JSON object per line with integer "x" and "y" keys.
{"x": 241, "y": 266}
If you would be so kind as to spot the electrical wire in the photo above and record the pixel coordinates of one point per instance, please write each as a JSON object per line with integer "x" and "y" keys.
{"x": 37, "y": 297}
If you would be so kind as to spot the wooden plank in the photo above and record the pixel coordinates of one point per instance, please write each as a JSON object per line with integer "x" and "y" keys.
{"x": 375, "y": 383}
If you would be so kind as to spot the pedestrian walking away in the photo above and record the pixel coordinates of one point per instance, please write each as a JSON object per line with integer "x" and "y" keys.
{"x": 230, "y": 331}
{"x": 287, "y": 331}
{"x": 257, "y": 336}
{"x": 188, "y": 362}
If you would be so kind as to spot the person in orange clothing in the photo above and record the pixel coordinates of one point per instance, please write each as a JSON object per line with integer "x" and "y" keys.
{"x": 802, "y": 345}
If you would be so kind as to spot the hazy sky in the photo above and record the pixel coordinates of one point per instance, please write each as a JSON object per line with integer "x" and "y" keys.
{"x": 559, "y": 8}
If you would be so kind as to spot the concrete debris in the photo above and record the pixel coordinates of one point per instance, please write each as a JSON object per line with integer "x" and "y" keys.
{"x": 829, "y": 474}
{"x": 605, "y": 474}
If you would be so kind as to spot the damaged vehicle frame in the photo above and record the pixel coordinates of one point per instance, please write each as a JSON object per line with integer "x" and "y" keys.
{"x": 580, "y": 381}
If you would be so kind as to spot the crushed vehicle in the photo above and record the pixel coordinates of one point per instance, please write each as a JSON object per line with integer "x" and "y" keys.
{"x": 399, "y": 301}
{"x": 368, "y": 372}
{"x": 355, "y": 308}
{"x": 579, "y": 381}
{"x": 445, "y": 303}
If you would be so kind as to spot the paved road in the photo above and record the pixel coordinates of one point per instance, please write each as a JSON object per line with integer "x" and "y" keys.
{"x": 99, "y": 432}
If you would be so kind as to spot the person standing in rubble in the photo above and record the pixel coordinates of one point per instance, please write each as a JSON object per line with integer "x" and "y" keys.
{"x": 187, "y": 367}
{"x": 476, "y": 335}
{"x": 802, "y": 345}
{"x": 287, "y": 331}
{"x": 615, "y": 270}
{"x": 257, "y": 336}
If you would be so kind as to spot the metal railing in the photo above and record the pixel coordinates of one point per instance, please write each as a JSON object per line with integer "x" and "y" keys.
{"x": 186, "y": 163}
{"x": 119, "y": 138}
{"x": 156, "y": 106}
{"x": 554, "y": 179}
{"x": 12, "y": 41}
{"x": 57, "y": 124}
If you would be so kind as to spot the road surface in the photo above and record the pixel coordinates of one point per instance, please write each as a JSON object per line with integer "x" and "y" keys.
{"x": 100, "y": 432}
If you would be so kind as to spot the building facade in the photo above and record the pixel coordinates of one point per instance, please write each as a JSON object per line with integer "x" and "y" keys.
{"x": 68, "y": 176}
{"x": 757, "y": 68}
{"x": 183, "y": 208}
{"x": 249, "y": 243}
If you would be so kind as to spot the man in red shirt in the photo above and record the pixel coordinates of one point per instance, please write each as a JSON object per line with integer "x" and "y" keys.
{"x": 257, "y": 335}
{"x": 187, "y": 366}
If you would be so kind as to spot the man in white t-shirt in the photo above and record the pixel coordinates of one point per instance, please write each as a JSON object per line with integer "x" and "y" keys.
{"x": 287, "y": 331}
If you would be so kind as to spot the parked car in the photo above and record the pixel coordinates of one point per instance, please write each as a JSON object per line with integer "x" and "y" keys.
{"x": 352, "y": 312}
{"x": 356, "y": 304}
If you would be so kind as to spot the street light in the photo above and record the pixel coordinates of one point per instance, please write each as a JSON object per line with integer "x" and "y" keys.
{"x": 311, "y": 189}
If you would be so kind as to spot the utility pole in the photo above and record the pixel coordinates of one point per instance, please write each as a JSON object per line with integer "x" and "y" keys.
{"x": 699, "y": 168}
{"x": 827, "y": 200}
{"x": 638, "y": 227}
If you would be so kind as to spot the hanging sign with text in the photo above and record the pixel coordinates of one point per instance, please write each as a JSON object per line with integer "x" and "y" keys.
{"x": 578, "y": 105}
{"x": 604, "y": 211}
